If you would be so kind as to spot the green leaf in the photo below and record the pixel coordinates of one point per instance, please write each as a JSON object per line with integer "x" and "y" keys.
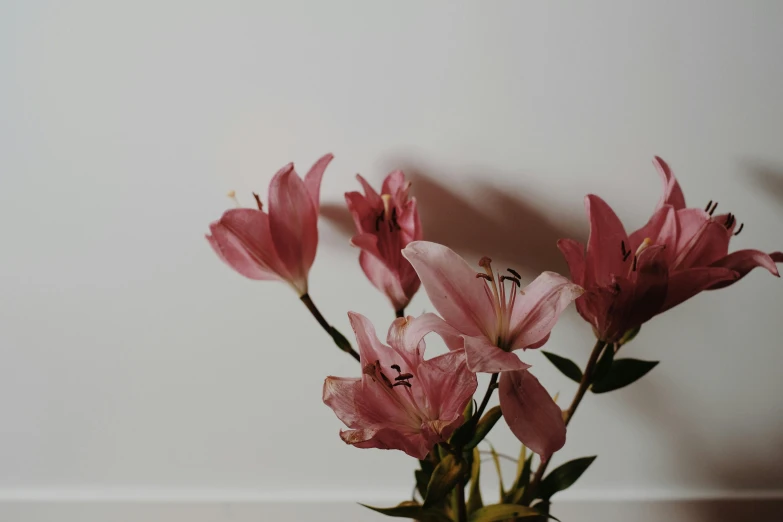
{"x": 483, "y": 427}
{"x": 566, "y": 366}
{"x": 604, "y": 363}
{"x": 412, "y": 510}
{"x": 498, "y": 512}
{"x": 523, "y": 478}
{"x": 423, "y": 476}
{"x": 474, "y": 496}
{"x": 563, "y": 477}
{"x": 623, "y": 373}
{"x": 445, "y": 476}
{"x": 496, "y": 460}
{"x": 629, "y": 335}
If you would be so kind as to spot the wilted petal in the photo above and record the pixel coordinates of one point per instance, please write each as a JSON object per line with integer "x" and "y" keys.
{"x": 604, "y": 246}
{"x": 293, "y": 223}
{"x": 453, "y": 288}
{"x": 538, "y": 307}
{"x": 574, "y": 253}
{"x": 313, "y": 179}
{"x": 483, "y": 356}
{"x": 531, "y": 413}
{"x": 672, "y": 193}
{"x": 241, "y": 238}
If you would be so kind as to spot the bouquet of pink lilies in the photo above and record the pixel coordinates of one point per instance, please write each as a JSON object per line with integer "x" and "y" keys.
{"x": 425, "y": 407}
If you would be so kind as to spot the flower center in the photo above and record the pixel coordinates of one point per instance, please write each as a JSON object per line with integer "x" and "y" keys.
{"x": 503, "y": 302}
{"x": 389, "y": 215}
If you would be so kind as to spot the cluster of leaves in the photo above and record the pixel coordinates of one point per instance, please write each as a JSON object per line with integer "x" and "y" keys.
{"x": 448, "y": 468}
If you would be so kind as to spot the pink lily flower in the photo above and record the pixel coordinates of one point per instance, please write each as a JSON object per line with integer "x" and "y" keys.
{"x": 493, "y": 317}
{"x": 679, "y": 253}
{"x": 278, "y": 245}
{"x": 385, "y": 224}
{"x": 401, "y": 401}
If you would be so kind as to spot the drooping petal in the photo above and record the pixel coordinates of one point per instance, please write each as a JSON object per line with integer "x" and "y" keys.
{"x": 448, "y": 384}
{"x": 531, "y": 413}
{"x": 293, "y": 223}
{"x": 685, "y": 284}
{"x": 574, "y": 253}
{"x": 313, "y": 179}
{"x": 339, "y": 394}
{"x": 241, "y": 238}
{"x": 453, "y": 288}
{"x": 672, "y": 193}
{"x": 604, "y": 245}
{"x": 538, "y": 307}
{"x": 743, "y": 261}
{"x": 377, "y": 270}
{"x": 483, "y": 356}
{"x": 387, "y": 438}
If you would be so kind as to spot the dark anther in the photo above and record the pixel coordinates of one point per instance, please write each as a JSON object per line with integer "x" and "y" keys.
{"x": 258, "y": 201}
{"x": 378, "y": 222}
{"x": 514, "y": 279}
{"x": 707, "y": 208}
{"x": 402, "y": 383}
{"x": 404, "y": 377}
{"x": 385, "y": 379}
{"x": 729, "y": 221}
{"x": 739, "y": 229}
{"x": 622, "y": 249}
{"x": 635, "y": 258}
{"x": 483, "y": 276}
{"x": 712, "y": 210}
{"x": 396, "y": 367}
{"x": 625, "y": 256}
{"x": 394, "y": 225}
{"x": 514, "y": 273}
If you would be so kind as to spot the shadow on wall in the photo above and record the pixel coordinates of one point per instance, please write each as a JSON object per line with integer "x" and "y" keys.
{"x": 767, "y": 178}
{"x": 491, "y": 221}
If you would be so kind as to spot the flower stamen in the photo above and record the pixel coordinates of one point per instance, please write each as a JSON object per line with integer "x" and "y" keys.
{"x": 258, "y": 202}
{"x": 232, "y": 195}
{"x": 739, "y": 229}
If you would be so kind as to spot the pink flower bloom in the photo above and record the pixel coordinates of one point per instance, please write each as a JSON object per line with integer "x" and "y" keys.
{"x": 679, "y": 252}
{"x": 385, "y": 225}
{"x": 401, "y": 401}
{"x": 494, "y": 318}
{"x": 280, "y": 244}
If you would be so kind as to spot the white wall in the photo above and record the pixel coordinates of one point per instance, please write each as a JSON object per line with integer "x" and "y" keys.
{"x": 135, "y": 366}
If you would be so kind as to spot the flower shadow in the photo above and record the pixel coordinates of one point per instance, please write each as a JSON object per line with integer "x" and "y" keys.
{"x": 768, "y": 178}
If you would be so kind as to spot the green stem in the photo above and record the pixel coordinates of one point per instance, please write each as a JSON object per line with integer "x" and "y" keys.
{"x": 584, "y": 385}
{"x": 462, "y": 509}
{"x": 493, "y": 383}
{"x": 338, "y": 338}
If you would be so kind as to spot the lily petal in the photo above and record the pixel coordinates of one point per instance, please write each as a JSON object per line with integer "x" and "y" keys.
{"x": 452, "y": 286}
{"x": 386, "y": 438}
{"x": 378, "y": 271}
{"x": 743, "y": 261}
{"x": 372, "y": 197}
{"x": 604, "y": 245}
{"x": 370, "y": 348}
{"x": 406, "y": 333}
{"x": 531, "y": 413}
{"x": 538, "y": 307}
{"x": 340, "y": 393}
{"x": 241, "y": 238}
{"x": 483, "y": 356}
{"x": 574, "y": 253}
{"x": 313, "y": 179}
{"x": 687, "y": 283}
{"x": 672, "y": 193}
{"x": 293, "y": 223}
{"x": 450, "y": 384}
{"x": 661, "y": 229}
